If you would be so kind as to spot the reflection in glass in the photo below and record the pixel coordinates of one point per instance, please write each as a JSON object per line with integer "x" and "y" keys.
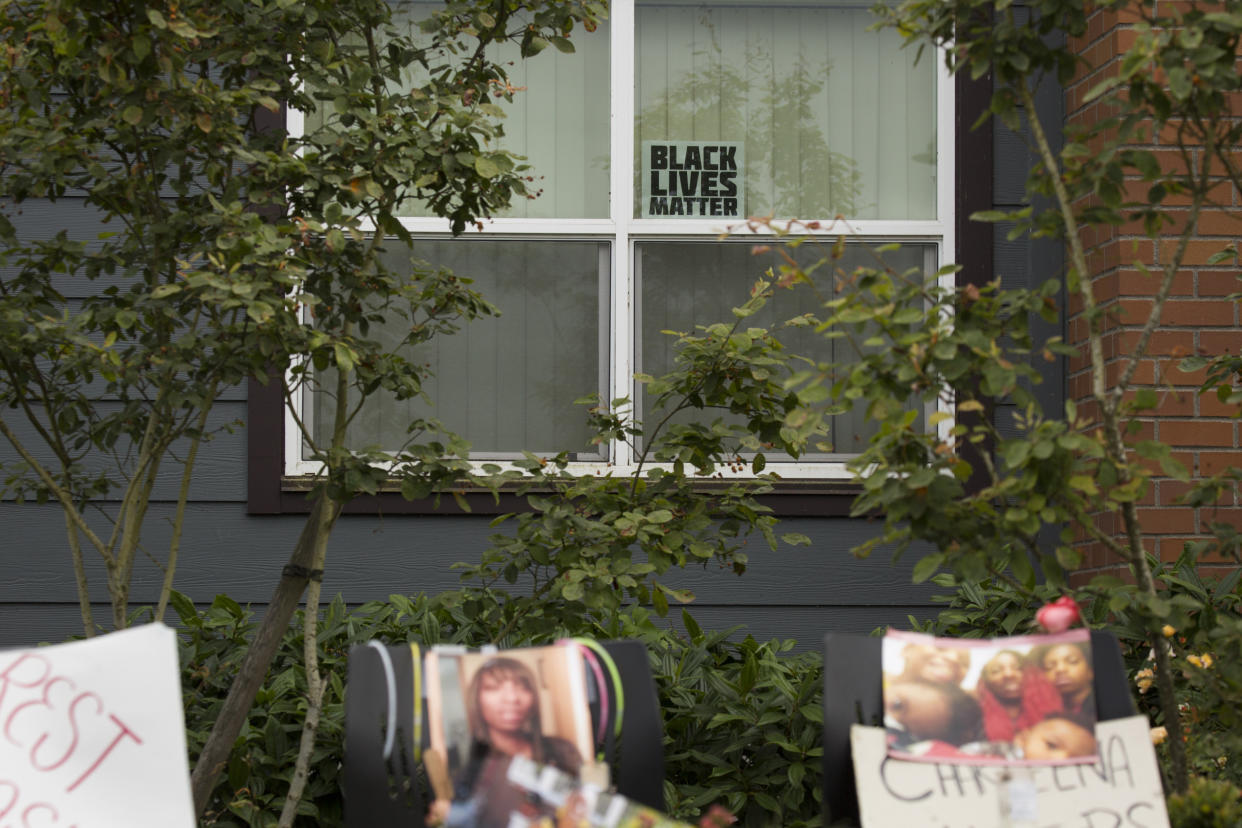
{"x": 685, "y": 284}
{"x": 558, "y": 119}
{"x": 504, "y": 383}
{"x": 835, "y": 119}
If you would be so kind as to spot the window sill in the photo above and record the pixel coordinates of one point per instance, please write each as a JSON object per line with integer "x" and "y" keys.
{"x": 789, "y": 498}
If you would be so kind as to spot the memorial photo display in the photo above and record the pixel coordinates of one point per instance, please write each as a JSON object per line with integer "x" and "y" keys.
{"x": 485, "y": 709}
{"x": 1024, "y": 700}
{"x": 535, "y": 796}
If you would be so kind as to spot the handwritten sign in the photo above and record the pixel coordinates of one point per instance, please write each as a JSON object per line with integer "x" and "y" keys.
{"x": 92, "y": 734}
{"x": 1122, "y": 790}
{"x": 693, "y": 179}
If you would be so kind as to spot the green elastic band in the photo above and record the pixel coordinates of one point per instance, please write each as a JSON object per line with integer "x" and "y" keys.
{"x": 418, "y": 701}
{"x": 613, "y": 673}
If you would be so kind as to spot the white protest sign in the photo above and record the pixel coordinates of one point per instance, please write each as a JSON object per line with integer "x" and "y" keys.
{"x": 1122, "y": 790}
{"x": 92, "y": 734}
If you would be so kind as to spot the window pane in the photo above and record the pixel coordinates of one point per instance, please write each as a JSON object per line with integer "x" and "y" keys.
{"x": 507, "y": 383}
{"x": 834, "y": 119}
{"x": 689, "y": 283}
{"x": 558, "y": 120}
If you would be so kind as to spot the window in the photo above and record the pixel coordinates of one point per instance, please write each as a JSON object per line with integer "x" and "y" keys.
{"x": 718, "y": 111}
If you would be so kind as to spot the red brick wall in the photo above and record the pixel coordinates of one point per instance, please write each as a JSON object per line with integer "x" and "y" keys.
{"x": 1198, "y": 319}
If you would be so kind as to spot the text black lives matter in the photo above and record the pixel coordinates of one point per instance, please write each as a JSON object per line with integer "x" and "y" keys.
{"x": 698, "y": 181}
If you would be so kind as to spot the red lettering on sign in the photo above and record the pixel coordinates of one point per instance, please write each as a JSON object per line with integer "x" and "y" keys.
{"x": 7, "y": 674}
{"x": 125, "y": 731}
{"x": 73, "y": 727}
{"x": 38, "y": 806}
{"x": 14, "y": 793}
{"x": 45, "y": 701}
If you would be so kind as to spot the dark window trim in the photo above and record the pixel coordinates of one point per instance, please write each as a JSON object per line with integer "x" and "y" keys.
{"x": 974, "y": 239}
{"x": 269, "y": 492}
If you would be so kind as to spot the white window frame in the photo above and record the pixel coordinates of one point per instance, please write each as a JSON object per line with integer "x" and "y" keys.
{"x": 622, "y": 230}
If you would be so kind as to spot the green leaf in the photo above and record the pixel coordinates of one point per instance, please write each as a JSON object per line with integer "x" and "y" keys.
{"x": 692, "y": 628}
{"x": 1100, "y": 88}
{"x": 486, "y": 167}
{"x": 1228, "y": 254}
{"x": 132, "y": 115}
{"x": 183, "y": 606}
{"x": 157, "y": 19}
{"x": 1083, "y": 484}
{"x": 660, "y": 602}
{"x": 1069, "y": 557}
{"x": 1179, "y": 82}
{"x": 926, "y": 567}
{"x": 344, "y": 356}
{"x": 1022, "y": 569}
{"x": 750, "y": 671}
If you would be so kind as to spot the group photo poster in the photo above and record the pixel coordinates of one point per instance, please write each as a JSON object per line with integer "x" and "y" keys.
{"x": 484, "y": 709}
{"x": 1022, "y": 700}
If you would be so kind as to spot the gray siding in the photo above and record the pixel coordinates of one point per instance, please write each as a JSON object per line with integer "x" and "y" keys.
{"x": 792, "y": 593}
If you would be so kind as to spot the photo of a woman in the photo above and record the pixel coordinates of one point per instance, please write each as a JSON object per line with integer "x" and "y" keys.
{"x": 485, "y": 709}
{"x": 940, "y": 665}
{"x": 1068, "y": 668}
{"x": 1013, "y": 695}
{"x": 503, "y": 705}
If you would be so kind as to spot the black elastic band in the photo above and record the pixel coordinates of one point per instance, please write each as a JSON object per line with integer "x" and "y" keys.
{"x": 295, "y": 571}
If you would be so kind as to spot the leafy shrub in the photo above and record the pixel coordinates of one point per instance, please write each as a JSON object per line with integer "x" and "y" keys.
{"x": 742, "y": 723}
{"x": 986, "y": 609}
{"x": 741, "y": 719}
{"x": 1206, "y": 632}
{"x": 1208, "y": 803}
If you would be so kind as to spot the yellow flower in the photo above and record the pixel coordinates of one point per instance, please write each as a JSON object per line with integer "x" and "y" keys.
{"x": 1167, "y": 630}
{"x": 1144, "y": 679}
{"x": 1159, "y": 734}
{"x": 1203, "y": 661}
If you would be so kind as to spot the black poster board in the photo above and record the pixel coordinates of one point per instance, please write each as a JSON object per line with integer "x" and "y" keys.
{"x": 853, "y": 694}
{"x": 383, "y": 792}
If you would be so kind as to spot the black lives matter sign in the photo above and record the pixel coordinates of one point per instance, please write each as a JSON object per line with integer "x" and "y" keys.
{"x": 693, "y": 179}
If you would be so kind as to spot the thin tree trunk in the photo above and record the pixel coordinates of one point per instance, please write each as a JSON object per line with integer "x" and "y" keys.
{"x": 262, "y": 650}
{"x": 183, "y": 497}
{"x": 79, "y": 574}
{"x": 1109, "y": 416}
{"x": 314, "y": 705}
